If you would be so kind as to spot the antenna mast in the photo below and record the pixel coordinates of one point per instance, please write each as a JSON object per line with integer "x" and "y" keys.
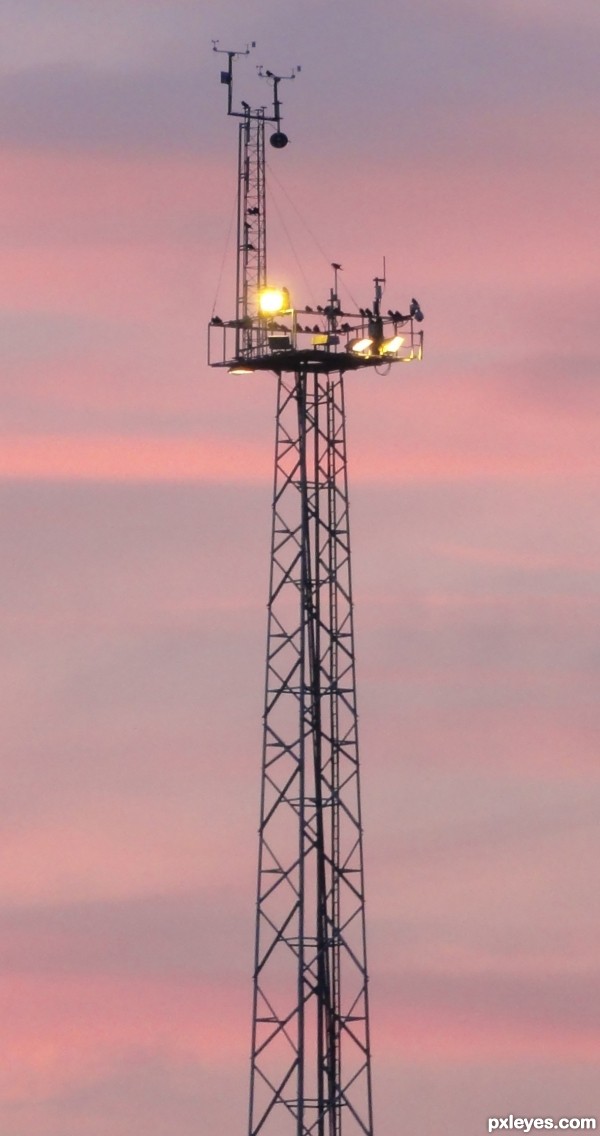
{"x": 251, "y": 266}
{"x": 311, "y": 1053}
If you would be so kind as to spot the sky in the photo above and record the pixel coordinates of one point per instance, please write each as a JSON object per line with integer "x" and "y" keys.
{"x": 461, "y": 141}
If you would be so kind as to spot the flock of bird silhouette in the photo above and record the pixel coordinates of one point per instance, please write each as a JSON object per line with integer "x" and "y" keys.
{"x": 328, "y": 311}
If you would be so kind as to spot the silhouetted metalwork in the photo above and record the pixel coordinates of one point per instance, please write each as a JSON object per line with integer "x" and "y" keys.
{"x": 310, "y": 1055}
{"x": 310, "y": 1045}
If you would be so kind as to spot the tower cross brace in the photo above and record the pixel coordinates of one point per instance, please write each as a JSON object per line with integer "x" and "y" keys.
{"x": 310, "y": 1039}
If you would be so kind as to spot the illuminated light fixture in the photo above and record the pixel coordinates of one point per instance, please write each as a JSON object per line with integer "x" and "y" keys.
{"x": 360, "y": 346}
{"x": 390, "y": 346}
{"x": 273, "y": 300}
{"x": 240, "y": 369}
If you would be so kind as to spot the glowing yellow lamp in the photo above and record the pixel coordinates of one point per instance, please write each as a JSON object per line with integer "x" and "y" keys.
{"x": 360, "y": 346}
{"x": 390, "y": 346}
{"x": 271, "y": 301}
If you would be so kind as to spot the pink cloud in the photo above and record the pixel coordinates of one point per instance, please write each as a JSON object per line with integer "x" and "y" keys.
{"x": 125, "y": 238}
{"x": 131, "y": 459}
{"x": 177, "y": 459}
{"x": 83, "y": 848}
{"x": 59, "y": 1032}
{"x": 451, "y": 1035}
{"x": 474, "y": 571}
{"x": 72, "y": 197}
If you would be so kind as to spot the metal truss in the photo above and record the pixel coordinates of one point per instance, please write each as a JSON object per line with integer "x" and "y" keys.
{"x": 251, "y": 229}
{"x": 310, "y": 1065}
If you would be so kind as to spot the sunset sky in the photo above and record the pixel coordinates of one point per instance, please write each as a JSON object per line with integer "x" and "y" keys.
{"x": 461, "y": 140}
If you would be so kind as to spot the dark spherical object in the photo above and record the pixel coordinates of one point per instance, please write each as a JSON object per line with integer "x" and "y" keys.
{"x": 279, "y": 140}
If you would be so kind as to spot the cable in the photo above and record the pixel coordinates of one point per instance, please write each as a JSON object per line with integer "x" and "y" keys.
{"x": 346, "y": 289}
{"x": 273, "y": 175}
{"x": 227, "y": 242}
{"x": 310, "y": 290}
{"x": 300, "y": 215}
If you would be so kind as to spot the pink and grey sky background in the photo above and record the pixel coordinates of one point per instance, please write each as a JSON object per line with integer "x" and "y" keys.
{"x": 461, "y": 140}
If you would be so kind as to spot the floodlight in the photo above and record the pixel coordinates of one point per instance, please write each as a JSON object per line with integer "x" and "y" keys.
{"x": 390, "y": 346}
{"x": 360, "y": 346}
{"x": 240, "y": 369}
{"x": 271, "y": 301}
{"x": 325, "y": 339}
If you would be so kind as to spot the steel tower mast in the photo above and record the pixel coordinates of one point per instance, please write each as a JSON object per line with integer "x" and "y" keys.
{"x": 310, "y": 1053}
